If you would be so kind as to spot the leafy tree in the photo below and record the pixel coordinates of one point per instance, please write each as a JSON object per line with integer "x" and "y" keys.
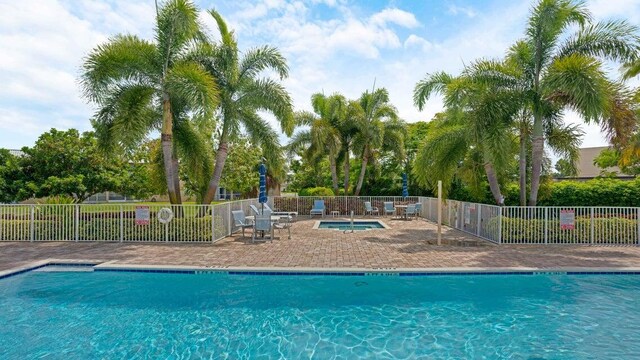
{"x": 323, "y": 137}
{"x": 68, "y": 163}
{"x": 376, "y": 125}
{"x": 141, "y": 86}
{"x": 565, "y": 168}
{"x": 561, "y": 70}
{"x": 9, "y": 176}
{"x": 243, "y": 95}
{"x": 473, "y": 136}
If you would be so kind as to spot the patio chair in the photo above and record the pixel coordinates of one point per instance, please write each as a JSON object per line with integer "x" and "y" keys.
{"x": 239, "y": 220}
{"x": 254, "y": 209}
{"x": 418, "y": 210}
{"x": 262, "y": 224}
{"x": 410, "y": 211}
{"x": 289, "y": 214}
{"x": 284, "y": 223}
{"x": 368, "y": 209}
{"x": 389, "y": 208}
{"x": 318, "y": 208}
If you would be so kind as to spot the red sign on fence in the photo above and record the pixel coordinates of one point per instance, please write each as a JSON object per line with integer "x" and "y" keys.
{"x": 143, "y": 215}
{"x": 567, "y": 219}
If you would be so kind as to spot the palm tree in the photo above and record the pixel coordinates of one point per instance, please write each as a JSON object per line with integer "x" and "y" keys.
{"x": 563, "y": 71}
{"x": 473, "y": 133}
{"x": 141, "y": 86}
{"x": 377, "y": 120}
{"x": 243, "y": 95}
{"x": 323, "y": 136}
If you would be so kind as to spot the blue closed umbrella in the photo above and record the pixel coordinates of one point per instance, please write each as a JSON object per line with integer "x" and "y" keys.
{"x": 262, "y": 196}
{"x": 405, "y": 187}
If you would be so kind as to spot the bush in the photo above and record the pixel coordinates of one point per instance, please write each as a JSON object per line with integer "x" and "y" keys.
{"x": 614, "y": 230}
{"x": 316, "y": 191}
{"x": 596, "y": 192}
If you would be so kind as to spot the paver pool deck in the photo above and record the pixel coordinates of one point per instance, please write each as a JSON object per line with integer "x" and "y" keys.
{"x": 408, "y": 244}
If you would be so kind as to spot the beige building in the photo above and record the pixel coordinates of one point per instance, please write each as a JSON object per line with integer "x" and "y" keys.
{"x": 588, "y": 170}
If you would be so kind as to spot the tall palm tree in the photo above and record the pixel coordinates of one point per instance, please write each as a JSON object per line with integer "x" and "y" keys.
{"x": 141, "y": 86}
{"x": 562, "y": 70}
{"x": 323, "y": 136}
{"x": 378, "y": 120}
{"x": 243, "y": 95}
{"x": 474, "y": 131}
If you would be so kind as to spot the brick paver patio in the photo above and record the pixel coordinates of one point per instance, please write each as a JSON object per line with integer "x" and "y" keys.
{"x": 408, "y": 244}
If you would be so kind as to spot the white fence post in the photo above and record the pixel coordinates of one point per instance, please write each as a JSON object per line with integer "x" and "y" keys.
{"x": 121, "y": 224}
{"x": 546, "y": 225}
{"x": 213, "y": 224}
{"x": 592, "y": 232}
{"x": 32, "y": 213}
{"x": 500, "y": 225}
{"x": 76, "y": 222}
{"x": 439, "y": 212}
{"x": 478, "y": 223}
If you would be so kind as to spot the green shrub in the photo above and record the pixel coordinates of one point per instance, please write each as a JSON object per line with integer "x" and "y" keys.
{"x": 316, "y": 191}
{"x": 532, "y": 231}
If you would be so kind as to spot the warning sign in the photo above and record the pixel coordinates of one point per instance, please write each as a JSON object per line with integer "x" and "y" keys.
{"x": 143, "y": 215}
{"x": 567, "y": 219}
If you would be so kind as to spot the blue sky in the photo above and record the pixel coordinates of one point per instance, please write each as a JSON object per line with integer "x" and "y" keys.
{"x": 331, "y": 46}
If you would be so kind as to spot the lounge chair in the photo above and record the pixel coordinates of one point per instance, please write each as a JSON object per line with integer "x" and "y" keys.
{"x": 290, "y": 214}
{"x": 418, "y": 210}
{"x": 389, "y": 208}
{"x": 410, "y": 211}
{"x": 262, "y": 224}
{"x": 368, "y": 209}
{"x": 318, "y": 208}
{"x": 239, "y": 220}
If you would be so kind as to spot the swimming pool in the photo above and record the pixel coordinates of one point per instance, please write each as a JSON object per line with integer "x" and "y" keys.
{"x": 65, "y": 315}
{"x": 346, "y": 224}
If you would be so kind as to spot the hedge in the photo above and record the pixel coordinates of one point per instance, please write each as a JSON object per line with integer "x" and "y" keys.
{"x": 532, "y": 231}
{"x": 316, "y": 191}
{"x": 108, "y": 229}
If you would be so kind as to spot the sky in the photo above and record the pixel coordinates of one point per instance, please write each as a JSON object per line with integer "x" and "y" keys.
{"x": 331, "y": 46}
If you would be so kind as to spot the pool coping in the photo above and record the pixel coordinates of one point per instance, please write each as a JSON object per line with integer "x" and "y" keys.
{"x": 112, "y": 266}
{"x": 316, "y": 225}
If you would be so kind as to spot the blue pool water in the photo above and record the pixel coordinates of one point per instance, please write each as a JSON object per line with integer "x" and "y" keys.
{"x": 122, "y": 315}
{"x": 346, "y": 225}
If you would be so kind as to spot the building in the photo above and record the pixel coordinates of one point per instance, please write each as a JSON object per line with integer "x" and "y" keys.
{"x": 587, "y": 170}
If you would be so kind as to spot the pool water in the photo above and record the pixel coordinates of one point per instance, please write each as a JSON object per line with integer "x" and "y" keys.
{"x": 346, "y": 225}
{"x": 126, "y": 315}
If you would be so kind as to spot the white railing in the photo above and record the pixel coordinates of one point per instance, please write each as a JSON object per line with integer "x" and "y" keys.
{"x": 343, "y": 204}
{"x": 117, "y": 222}
{"x": 208, "y": 223}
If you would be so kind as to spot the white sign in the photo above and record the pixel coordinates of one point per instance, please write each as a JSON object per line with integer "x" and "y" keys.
{"x": 143, "y": 215}
{"x": 567, "y": 219}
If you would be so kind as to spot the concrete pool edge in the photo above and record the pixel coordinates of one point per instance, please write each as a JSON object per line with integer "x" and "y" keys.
{"x": 111, "y": 266}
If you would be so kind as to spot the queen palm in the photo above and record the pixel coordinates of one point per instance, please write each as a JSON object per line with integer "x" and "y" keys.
{"x": 141, "y": 86}
{"x": 323, "y": 136}
{"x": 474, "y": 132}
{"x": 377, "y": 120}
{"x": 243, "y": 95}
{"x": 562, "y": 70}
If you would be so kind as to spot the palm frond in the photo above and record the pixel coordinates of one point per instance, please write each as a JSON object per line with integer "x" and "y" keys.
{"x": 190, "y": 82}
{"x": 434, "y": 83}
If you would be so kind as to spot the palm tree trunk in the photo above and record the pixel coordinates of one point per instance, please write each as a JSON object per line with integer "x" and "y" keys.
{"x": 167, "y": 151}
{"x": 537, "y": 153}
{"x": 523, "y": 166}
{"x": 221, "y": 157}
{"x": 347, "y": 167}
{"x": 363, "y": 170}
{"x": 334, "y": 174}
{"x": 493, "y": 183}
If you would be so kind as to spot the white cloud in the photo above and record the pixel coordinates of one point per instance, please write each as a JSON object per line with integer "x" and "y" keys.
{"x": 415, "y": 41}
{"x": 468, "y": 11}
{"x": 396, "y": 16}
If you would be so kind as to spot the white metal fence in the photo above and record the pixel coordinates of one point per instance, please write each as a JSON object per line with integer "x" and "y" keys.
{"x": 207, "y": 223}
{"x": 117, "y": 222}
